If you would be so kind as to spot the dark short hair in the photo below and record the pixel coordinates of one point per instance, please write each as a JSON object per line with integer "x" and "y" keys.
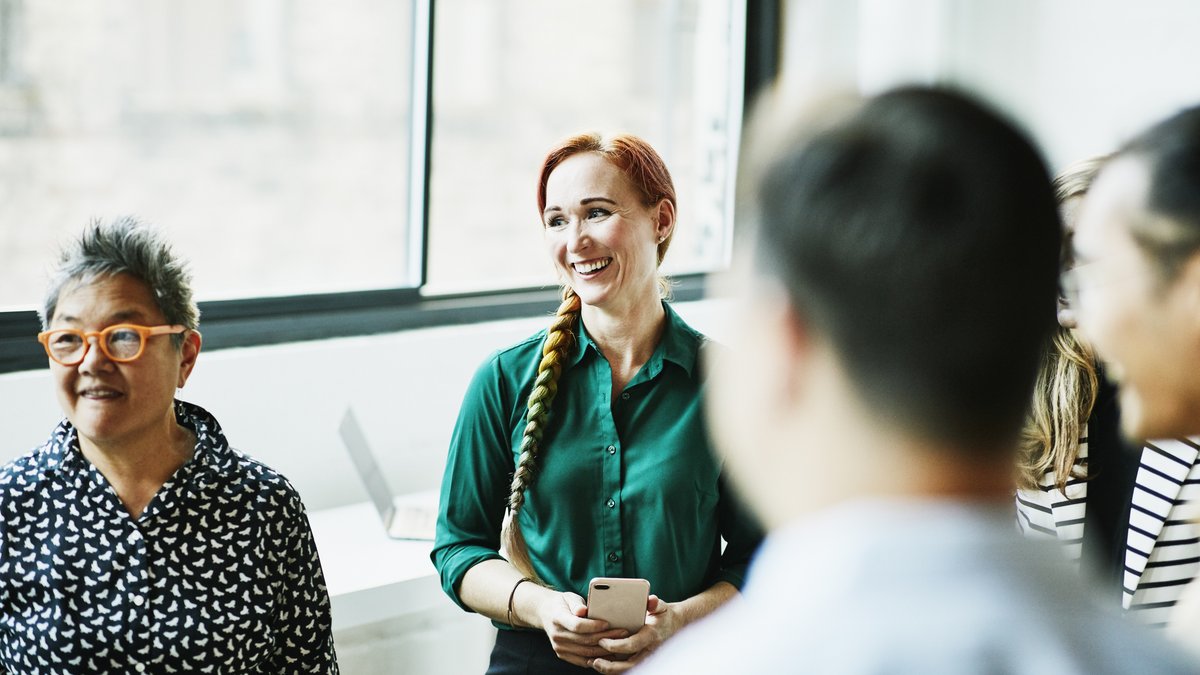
{"x": 920, "y": 237}
{"x": 1171, "y": 151}
{"x": 124, "y": 245}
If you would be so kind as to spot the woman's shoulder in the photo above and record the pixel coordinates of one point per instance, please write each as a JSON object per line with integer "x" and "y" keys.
{"x": 270, "y": 491}
{"x": 241, "y": 476}
{"x": 23, "y": 474}
{"x": 512, "y": 362}
{"x": 26, "y": 473}
{"x": 682, "y": 331}
{"x": 520, "y": 352}
{"x": 682, "y": 339}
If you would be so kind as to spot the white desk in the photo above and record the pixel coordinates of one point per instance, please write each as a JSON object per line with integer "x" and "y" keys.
{"x": 370, "y": 577}
{"x": 389, "y": 612}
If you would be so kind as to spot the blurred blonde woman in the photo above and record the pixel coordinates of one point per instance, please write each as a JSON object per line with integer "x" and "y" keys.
{"x": 1112, "y": 504}
{"x": 591, "y": 436}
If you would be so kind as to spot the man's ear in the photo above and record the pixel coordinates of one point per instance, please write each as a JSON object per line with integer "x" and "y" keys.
{"x": 188, "y": 351}
{"x": 788, "y": 342}
{"x": 800, "y": 348}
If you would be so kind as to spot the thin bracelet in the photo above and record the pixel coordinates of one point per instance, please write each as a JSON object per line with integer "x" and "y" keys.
{"x": 512, "y": 595}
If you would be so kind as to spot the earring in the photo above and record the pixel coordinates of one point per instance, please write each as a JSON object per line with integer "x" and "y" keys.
{"x": 661, "y": 239}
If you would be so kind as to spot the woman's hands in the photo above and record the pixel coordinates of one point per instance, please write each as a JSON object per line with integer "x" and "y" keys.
{"x": 662, "y": 621}
{"x": 574, "y": 637}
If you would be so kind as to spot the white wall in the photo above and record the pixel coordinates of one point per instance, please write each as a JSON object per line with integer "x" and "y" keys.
{"x": 1081, "y": 75}
{"x": 282, "y": 404}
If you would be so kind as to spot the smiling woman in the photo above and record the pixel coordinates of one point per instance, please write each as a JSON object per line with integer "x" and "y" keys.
{"x": 602, "y": 408}
{"x": 118, "y": 509}
{"x": 121, "y": 409}
{"x": 603, "y": 237}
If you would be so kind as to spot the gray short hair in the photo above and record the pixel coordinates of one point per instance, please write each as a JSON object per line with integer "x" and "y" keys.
{"x": 124, "y": 245}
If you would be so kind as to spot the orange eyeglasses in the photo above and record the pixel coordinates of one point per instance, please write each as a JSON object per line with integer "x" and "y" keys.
{"x": 122, "y": 343}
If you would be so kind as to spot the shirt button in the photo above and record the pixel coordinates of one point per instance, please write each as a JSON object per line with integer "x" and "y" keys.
{"x": 625, "y": 396}
{"x": 140, "y": 667}
{"x": 612, "y": 450}
{"x": 611, "y": 503}
{"x": 613, "y": 557}
{"x": 138, "y": 600}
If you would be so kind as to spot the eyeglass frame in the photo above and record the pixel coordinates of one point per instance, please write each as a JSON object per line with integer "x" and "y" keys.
{"x": 144, "y": 332}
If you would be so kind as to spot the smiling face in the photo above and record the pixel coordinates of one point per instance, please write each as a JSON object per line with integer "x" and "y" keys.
{"x": 111, "y": 403}
{"x": 1143, "y": 327}
{"x": 602, "y": 239}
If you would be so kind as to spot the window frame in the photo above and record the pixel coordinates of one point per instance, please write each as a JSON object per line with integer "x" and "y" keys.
{"x": 261, "y": 321}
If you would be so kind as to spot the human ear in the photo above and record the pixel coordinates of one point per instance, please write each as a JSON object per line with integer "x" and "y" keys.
{"x": 799, "y": 349}
{"x": 785, "y": 341}
{"x": 664, "y": 219}
{"x": 188, "y": 351}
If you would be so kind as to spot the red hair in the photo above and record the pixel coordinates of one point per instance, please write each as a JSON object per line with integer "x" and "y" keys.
{"x": 635, "y": 158}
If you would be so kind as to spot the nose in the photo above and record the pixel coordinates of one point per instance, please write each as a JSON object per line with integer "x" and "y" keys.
{"x": 94, "y": 358}
{"x": 578, "y": 238}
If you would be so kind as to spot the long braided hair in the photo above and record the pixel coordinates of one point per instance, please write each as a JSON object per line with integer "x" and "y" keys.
{"x": 1067, "y": 380}
{"x": 648, "y": 173}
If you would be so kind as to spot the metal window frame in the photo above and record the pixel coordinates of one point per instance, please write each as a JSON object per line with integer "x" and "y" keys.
{"x": 276, "y": 320}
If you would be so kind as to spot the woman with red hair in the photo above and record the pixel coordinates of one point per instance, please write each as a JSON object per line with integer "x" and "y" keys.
{"x": 590, "y": 435}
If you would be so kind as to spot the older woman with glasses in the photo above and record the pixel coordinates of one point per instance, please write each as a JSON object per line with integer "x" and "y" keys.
{"x": 136, "y": 539}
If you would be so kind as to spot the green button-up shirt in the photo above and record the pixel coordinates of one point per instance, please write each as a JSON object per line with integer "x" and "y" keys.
{"x": 624, "y": 488}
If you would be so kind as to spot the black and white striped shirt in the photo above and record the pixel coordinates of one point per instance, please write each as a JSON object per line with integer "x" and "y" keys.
{"x": 1162, "y": 552}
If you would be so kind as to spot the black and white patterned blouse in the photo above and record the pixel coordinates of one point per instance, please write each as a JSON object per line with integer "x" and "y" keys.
{"x": 218, "y": 575}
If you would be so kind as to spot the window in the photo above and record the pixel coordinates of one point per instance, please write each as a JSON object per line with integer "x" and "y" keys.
{"x": 8, "y": 20}
{"x": 513, "y": 78}
{"x": 283, "y": 146}
{"x": 269, "y": 139}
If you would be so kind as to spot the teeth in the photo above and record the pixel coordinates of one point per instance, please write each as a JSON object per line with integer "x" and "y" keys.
{"x": 589, "y": 267}
{"x": 101, "y": 393}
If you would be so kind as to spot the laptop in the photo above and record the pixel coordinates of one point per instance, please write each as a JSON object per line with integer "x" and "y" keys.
{"x": 411, "y": 516}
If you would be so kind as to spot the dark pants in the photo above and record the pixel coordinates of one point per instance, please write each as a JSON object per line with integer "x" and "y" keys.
{"x": 527, "y": 653}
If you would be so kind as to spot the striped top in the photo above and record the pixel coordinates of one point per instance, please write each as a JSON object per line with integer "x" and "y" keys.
{"x": 1162, "y": 552}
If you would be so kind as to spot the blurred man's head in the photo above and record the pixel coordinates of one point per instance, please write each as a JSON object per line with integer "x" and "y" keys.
{"x": 900, "y": 282}
{"x": 1137, "y": 279}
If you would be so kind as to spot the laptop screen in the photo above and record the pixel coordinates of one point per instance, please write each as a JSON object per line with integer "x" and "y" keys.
{"x": 368, "y": 469}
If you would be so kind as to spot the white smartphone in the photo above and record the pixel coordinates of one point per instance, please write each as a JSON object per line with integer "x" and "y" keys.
{"x": 620, "y": 602}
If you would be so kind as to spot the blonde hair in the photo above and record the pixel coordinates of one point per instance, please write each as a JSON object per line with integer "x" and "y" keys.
{"x": 647, "y": 172}
{"x": 1065, "y": 391}
{"x": 1076, "y": 179}
{"x": 1063, "y": 398}
{"x": 560, "y": 337}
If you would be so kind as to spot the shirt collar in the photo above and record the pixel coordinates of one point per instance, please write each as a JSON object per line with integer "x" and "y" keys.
{"x": 212, "y": 450}
{"x": 62, "y": 453}
{"x": 680, "y": 345}
{"x": 877, "y": 528}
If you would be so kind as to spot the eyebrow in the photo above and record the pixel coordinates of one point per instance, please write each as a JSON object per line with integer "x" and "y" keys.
{"x": 591, "y": 200}
{"x": 582, "y": 202}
